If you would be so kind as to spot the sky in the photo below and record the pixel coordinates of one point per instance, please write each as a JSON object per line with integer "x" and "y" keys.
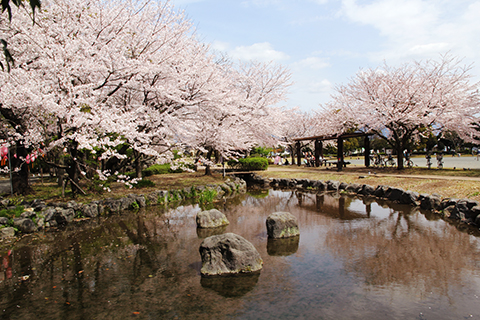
{"x": 325, "y": 43}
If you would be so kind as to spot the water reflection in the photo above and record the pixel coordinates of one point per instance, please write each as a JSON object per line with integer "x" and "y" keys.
{"x": 282, "y": 247}
{"x": 231, "y": 286}
{"x": 203, "y": 233}
{"x": 403, "y": 250}
{"x": 355, "y": 258}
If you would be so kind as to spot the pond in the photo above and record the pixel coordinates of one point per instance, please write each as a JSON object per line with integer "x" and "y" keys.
{"x": 355, "y": 259}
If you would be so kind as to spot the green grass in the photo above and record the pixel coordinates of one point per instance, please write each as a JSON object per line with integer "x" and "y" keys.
{"x": 207, "y": 196}
{"x": 144, "y": 183}
{"x": 12, "y": 213}
{"x": 159, "y": 169}
{"x": 135, "y": 205}
{"x": 50, "y": 191}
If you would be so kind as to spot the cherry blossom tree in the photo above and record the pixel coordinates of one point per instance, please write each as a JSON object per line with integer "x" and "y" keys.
{"x": 5, "y": 5}
{"x": 78, "y": 61}
{"x": 397, "y": 103}
{"x": 93, "y": 78}
{"x": 294, "y": 123}
{"x": 243, "y": 112}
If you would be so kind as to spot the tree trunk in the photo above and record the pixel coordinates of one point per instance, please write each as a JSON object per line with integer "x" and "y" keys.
{"x": 20, "y": 183}
{"x": 399, "y": 147}
{"x": 292, "y": 153}
{"x": 138, "y": 164}
{"x": 197, "y": 159}
{"x": 217, "y": 156}
{"x": 208, "y": 169}
{"x": 72, "y": 167}
{"x": 59, "y": 171}
{"x": 114, "y": 164}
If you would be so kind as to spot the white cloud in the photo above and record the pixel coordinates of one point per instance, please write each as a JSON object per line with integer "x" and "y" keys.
{"x": 419, "y": 29}
{"x": 258, "y": 51}
{"x": 393, "y": 18}
{"x": 319, "y": 87}
{"x": 430, "y": 48}
{"x": 312, "y": 63}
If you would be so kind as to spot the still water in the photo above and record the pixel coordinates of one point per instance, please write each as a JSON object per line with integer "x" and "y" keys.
{"x": 354, "y": 259}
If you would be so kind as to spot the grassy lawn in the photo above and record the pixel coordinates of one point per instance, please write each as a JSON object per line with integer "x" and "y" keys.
{"x": 447, "y": 183}
{"x": 50, "y": 191}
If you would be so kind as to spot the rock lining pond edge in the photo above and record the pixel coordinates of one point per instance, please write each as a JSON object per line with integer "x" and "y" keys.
{"x": 465, "y": 211}
{"x": 38, "y": 215}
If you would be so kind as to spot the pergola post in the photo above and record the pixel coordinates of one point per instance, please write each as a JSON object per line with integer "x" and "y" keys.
{"x": 299, "y": 155}
{"x": 367, "y": 151}
{"x": 339, "y": 154}
{"x": 318, "y": 141}
{"x": 318, "y": 152}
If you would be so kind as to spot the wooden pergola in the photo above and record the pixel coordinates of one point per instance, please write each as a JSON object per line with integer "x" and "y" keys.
{"x": 340, "y": 158}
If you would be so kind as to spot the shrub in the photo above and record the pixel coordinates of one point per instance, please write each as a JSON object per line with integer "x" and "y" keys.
{"x": 156, "y": 169}
{"x": 159, "y": 169}
{"x": 131, "y": 174}
{"x": 249, "y": 164}
{"x": 260, "y": 151}
{"x": 97, "y": 185}
{"x": 176, "y": 154}
{"x": 144, "y": 183}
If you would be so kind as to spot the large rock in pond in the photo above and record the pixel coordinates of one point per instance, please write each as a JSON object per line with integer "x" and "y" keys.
{"x": 282, "y": 225}
{"x": 228, "y": 254}
{"x": 211, "y": 219}
{"x": 7, "y": 232}
{"x": 25, "y": 225}
{"x": 430, "y": 202}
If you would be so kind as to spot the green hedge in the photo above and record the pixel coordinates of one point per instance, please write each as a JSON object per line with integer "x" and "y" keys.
{"x": 249, "y": 164}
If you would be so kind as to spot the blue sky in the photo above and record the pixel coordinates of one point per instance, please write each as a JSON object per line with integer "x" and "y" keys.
{"x": 325, "y": 42}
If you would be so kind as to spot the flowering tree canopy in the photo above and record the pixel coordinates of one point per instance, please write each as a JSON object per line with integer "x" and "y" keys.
{"x": 398, "y": 103}
{"x": 5, "y": 5}
{"x": 92, "y": 76}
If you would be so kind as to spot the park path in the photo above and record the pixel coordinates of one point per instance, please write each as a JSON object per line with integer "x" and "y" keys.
{"x": 449, "y": 162}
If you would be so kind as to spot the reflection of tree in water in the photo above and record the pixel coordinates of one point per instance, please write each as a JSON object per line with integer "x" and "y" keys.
{"x": 402, "y": 250}
{"x": 302, "y": 204}
{"x": 140, "y": 262}
{"x": 328, "y": 204}
{"x": 148, "y": 261}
